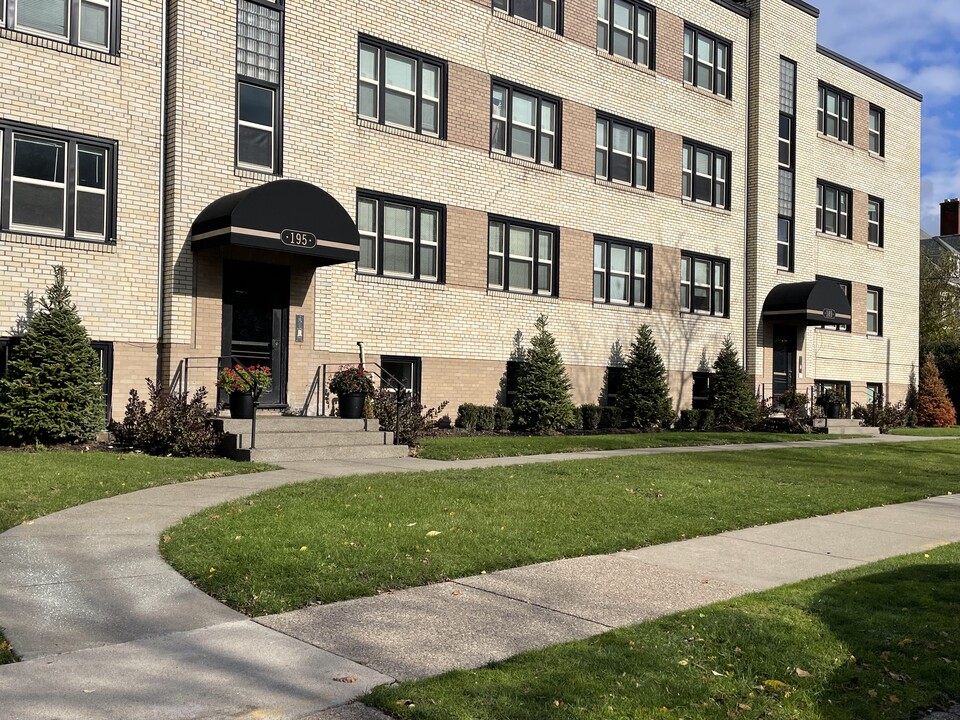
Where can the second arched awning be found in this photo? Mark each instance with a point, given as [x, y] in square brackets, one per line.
[817, 302]
[284, 215]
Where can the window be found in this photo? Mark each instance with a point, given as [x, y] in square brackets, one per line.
[545, 13]
[874, 311]
[621, 272]
[259, 78]
[876, 129]
[404, 371]
[784, 243]
[511, 381]
[400, 237]
[701, 390]
[85, 23]
[786, 141]
[524, 124]
[613, 384]
[706, 61]
[623, 153]
[874, 393]
[785, 158]
[57, 184]
[834, 112]
[521, 257]
[705, 172]
[845, 287]
[833, 210]
[625, 29]
[875, 222]
[825, 386]
[401, 88]
[703, 285]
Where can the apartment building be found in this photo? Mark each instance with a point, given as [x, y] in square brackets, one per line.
[253, 179]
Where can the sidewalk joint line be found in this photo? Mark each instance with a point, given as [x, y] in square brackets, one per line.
[532, 604]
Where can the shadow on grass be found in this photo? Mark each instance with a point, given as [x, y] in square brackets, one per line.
[903, 629]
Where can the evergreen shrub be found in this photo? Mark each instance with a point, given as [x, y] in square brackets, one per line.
[543, 388]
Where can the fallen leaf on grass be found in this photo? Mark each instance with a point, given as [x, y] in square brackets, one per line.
[433, 533]
[802, 673]
[744, 706]
[346, 679]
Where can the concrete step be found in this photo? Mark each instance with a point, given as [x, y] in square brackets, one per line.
[848, 430]
[271, 440]
[333, 452]
[283, 423]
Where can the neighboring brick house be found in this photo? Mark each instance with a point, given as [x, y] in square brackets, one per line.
[428, 178]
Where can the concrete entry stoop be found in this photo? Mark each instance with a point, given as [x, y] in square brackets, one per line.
[292, 439]
[844, 427]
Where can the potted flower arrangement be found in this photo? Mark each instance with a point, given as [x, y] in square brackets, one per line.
[244, 385]
[351, 384]
[832, 400]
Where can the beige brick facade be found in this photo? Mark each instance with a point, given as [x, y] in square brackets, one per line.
[462, 332]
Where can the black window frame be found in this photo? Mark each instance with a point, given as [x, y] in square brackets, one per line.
[822, 187]
[278, 97]
[383, 47]
[537, 228]
[881, 132]
[608, 151]
[714, 260]
[695, 60]
[879, 223]
[511, 381]
[786, 181]
[416, 373]
[72, 141]
[651, 39]
[822, 386]
[509, 7]
[847, 287]
[715, 152]
[879, 311]
[510, 90]
[878, 394]
[844, 127]
[700, 390]
[418, 206]
[8, 14]
[631, 246]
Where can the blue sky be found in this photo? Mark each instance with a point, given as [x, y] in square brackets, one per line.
[916, 43]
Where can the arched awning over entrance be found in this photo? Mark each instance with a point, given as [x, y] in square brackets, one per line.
[818, 302]
[285, 215]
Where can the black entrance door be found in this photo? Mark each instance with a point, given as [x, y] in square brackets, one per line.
[784, 359]
[256, 302]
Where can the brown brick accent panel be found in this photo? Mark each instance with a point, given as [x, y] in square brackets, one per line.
[669, 45]
[666, 279]
[588, 383]
[132, 363]
[580, 22]
[460, 381]
[668, 163]
[858, 308]
[579, 138]
[576, 266]
[861, 123]
[858, 216]
[466, 247]
[468, 103]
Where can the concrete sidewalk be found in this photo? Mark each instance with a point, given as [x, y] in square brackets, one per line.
[108, 630]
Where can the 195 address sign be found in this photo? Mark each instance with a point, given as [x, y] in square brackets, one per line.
[298, 238]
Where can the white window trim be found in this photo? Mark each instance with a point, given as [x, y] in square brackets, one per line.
[91, 191]
[874, 313]
[15, 179]
[102, 3]
[272, 167]
[387, 87]
[40, 33]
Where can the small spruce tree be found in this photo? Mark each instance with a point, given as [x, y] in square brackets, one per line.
[644, 396]
[543, 388]
[732, 400]
[53, 388]
[934, 408]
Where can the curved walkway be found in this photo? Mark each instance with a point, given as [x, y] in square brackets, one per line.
[108, 630]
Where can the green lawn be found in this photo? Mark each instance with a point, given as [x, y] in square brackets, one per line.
[39, 483]
[928, 432]
[349, 537]
[879, 642]
[484, 446]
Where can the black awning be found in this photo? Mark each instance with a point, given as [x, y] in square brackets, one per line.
[286, 215]
[819, 302]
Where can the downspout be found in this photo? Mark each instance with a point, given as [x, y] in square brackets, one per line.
[748, 362]
[162, 184]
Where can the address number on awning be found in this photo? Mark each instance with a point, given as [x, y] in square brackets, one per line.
[298, 238]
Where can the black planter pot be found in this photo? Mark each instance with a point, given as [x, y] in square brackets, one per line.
[351, 405]
[833, 411]
[241, 405]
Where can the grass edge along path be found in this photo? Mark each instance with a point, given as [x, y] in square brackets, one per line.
[33, 484]
[879, 641]
[341, 538]
[471, 447]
